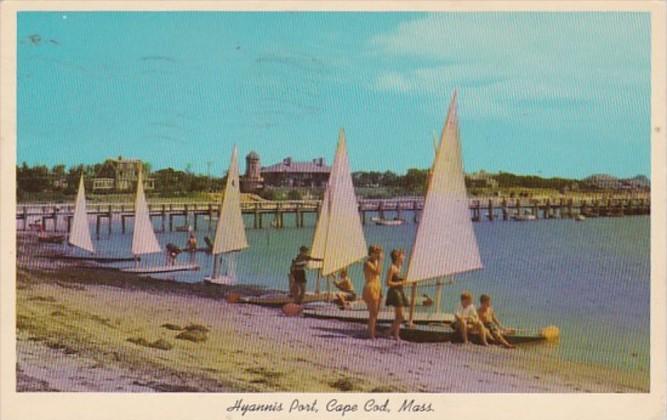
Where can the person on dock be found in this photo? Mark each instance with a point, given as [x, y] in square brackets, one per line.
[347, 293]
[466, 320]
[395, 295]
[488, 317]
[372, 294]
[298, 273]
[191, 246]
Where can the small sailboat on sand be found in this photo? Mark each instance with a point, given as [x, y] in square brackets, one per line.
[445, 244]
[230, 237]
[79, 235]
[144, 240]
[338, 239]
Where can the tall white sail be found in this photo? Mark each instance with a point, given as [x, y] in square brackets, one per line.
[344, 241]
[143, 237]
[230, 232]
[79, 235]
[445, 243]
[317, 249]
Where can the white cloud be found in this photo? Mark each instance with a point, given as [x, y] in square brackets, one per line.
[513, 63]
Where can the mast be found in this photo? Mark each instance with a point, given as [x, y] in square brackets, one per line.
[79, 235]
[143, 235]
[230, 232]
[445, 243]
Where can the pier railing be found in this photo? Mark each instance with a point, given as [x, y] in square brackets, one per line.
[494, 208]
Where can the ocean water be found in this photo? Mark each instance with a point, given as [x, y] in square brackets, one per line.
[591, 279]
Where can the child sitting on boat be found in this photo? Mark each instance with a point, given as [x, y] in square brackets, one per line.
[488, 317]
[467, 320]
[347, 293]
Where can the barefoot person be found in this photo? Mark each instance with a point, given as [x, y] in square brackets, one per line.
[488, 318]
[344, 284]
[467, 320]
[372, 293]
[191, 246]
[298, 273]
[395, 295]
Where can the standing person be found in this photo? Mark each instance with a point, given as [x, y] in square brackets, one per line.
[298, 273]
[395, 295]
[191, 246]
[372, 293]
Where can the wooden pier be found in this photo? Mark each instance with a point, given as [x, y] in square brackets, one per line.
[54, 216]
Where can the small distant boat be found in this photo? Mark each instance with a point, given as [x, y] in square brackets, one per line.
[389, 222]
[526, 217]
[230, 237]
[184, 228]
[144, 240]
[579, 218]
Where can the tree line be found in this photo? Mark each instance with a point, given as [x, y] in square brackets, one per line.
[59, 179]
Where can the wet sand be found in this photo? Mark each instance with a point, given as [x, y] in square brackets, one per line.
[74, 326]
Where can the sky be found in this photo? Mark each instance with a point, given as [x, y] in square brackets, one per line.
[551, 94]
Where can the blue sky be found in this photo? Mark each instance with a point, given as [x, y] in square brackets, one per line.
[554, 94]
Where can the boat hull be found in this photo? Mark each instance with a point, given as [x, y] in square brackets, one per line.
[280, 299]
[444, 333]
[223, 280]
[92, 258]
[161, 269]
[386, 315]
[54, 239]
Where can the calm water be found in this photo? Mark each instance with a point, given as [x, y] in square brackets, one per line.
[592, 279]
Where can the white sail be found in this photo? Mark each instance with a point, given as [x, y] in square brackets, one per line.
[344, 241]
[445, 243]
[230, 232]
[143, 237]
[317, 248]
[79, 235]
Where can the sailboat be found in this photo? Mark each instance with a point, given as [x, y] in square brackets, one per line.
[230, 237]
[445, 244]
[144, 240]
[79, 235]
[338, 239]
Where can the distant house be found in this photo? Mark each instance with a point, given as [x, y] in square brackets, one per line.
[482, 179]
[290, 173]
[60, 183]
[639, 182]
[120, 175]
[602, 182]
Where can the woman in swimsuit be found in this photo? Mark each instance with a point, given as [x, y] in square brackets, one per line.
[395, 295]
[372, 293]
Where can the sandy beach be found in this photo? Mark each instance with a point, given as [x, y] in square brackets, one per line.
[103, 330]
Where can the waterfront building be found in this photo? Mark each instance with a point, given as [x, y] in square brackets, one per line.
[252, 180]
[120, 175]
